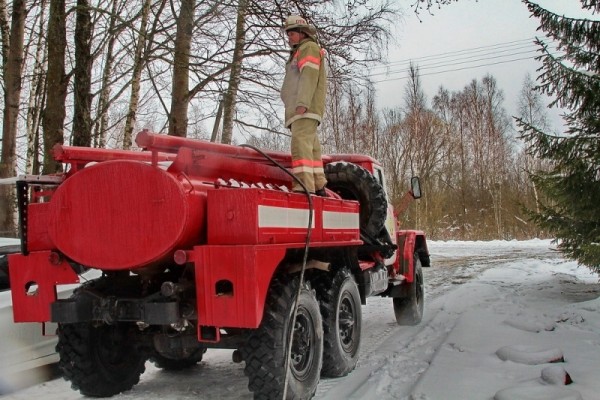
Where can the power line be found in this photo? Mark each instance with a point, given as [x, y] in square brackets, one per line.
[457, 69]
[481, 57]
[506, 46]
[467, 56]
[464, 57]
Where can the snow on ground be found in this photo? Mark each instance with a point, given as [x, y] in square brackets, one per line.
[503, 320]
[530, 308]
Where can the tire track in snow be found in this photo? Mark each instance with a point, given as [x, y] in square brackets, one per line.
[393, 345]
[412, 347]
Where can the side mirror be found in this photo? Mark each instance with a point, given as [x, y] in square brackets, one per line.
[415, 187]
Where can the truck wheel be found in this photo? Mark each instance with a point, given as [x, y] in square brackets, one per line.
[353, 182]
[341, 311]
[100, 361]
[171, 364]
[409, 310]
[265, 349]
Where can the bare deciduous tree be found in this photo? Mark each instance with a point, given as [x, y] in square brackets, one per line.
[56, 88]
[82, 124]
[37, 93]
[12, 68]
[138, 66]
[229, 98]
[180, 90]
[99, 135]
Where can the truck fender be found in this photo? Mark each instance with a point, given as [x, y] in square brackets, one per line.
[410, 243]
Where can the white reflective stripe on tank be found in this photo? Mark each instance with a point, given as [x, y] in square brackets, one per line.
[282, 217]
[340, 220]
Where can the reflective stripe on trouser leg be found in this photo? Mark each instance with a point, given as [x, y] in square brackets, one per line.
[306, 155]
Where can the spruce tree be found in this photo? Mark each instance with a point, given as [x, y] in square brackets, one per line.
[570, 56]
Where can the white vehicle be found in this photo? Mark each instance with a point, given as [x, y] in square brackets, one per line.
[27, 351]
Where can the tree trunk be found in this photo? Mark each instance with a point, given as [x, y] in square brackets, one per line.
[463, 178]
[138, 65]
[54, 113]
[5, 34]
[82, 120]
[36, 100]
[215, 131]
[180, 91]
[102, 121]
[12, 96]
[229, 99]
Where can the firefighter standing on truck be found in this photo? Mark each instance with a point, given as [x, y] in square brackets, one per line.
[303, 94]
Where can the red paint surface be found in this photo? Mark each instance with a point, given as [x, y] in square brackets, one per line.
[123, 215]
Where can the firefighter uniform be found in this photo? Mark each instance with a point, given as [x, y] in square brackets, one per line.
[305, 85]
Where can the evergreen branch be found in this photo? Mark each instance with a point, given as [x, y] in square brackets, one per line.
[580, 31]
[593, 5]
[571, 88]
[568, 154]
[580, 57]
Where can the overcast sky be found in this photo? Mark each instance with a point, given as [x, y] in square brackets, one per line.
[464, 41]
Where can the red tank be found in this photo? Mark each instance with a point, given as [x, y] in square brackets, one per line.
[150, 203]
[146, 211]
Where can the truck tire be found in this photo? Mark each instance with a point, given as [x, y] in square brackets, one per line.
[353, 182]
[409, 309]
[100, 361]
[264, 352]
[171, 364]
[339, 300]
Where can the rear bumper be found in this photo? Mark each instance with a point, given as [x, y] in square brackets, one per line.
[91, 307]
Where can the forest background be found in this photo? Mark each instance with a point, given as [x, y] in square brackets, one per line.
[94, 72]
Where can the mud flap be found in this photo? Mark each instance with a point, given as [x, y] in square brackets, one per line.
[33, 281]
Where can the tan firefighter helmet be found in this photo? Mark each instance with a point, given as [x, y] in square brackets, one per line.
[296, 22]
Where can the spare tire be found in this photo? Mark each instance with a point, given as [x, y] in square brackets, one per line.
[353, 182]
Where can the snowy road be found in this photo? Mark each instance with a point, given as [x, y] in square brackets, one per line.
[480, 296]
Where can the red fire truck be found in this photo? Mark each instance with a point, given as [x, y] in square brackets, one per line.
[202, 245]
